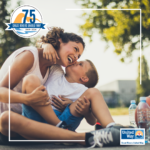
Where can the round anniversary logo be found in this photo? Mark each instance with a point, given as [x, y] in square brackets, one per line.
[26, 21]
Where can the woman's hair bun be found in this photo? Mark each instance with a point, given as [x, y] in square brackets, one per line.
[53, 36]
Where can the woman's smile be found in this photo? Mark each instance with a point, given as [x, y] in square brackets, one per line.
[72, 59]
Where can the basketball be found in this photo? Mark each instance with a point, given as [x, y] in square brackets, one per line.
[148, 102]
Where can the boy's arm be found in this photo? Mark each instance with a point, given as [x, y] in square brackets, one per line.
[50, 53]
[60, 103]
[83, 108]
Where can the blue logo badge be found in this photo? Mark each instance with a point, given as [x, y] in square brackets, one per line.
[26, 21]
[132, 136]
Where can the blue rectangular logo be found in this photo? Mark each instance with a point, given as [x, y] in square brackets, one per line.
[130, 136]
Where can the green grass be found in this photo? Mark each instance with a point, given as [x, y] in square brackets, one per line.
[119, 111]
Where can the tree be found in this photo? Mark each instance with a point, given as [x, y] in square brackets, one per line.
[121, 27]
[144, 88]
[9, 41]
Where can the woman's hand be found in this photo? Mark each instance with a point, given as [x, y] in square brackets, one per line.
[49, 53]
[61, 103]
[38, 97]
[83, 106]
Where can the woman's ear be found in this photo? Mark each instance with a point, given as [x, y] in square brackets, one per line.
[84, 79]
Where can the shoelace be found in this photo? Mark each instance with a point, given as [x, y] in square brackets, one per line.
[105, 136]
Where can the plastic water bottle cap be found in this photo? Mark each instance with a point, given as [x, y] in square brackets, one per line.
[132, 101]
[143, 99]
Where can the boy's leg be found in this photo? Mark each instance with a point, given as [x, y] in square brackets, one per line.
[71, 120]
[30, 83]
[98, 106]
[34, 130]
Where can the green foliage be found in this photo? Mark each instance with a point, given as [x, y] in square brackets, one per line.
[121, 27]
[9, 41]
[144, 88]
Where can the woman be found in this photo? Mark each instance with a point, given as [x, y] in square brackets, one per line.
[29, 60]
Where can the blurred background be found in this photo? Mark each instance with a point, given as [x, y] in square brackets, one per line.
[112, 40]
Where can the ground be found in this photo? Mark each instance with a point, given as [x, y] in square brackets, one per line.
[50, 146]
[84, 127]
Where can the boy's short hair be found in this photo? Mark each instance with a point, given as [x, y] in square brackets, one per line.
[92, 75]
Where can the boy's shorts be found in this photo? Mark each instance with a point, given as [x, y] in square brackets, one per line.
[72, 121]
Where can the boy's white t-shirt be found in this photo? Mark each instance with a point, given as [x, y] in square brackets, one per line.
[17, 107]
[57, 84]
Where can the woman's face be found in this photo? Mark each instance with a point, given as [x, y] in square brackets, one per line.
[69, 53]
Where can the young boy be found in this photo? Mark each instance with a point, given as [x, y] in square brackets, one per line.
[73, 85]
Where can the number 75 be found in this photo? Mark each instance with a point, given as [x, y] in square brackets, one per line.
[31, 14]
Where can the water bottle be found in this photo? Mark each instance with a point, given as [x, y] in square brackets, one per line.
[132, 109]
[143, 115]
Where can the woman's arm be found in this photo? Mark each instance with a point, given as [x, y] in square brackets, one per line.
[37, 97]
[21, 65]
[15, 97]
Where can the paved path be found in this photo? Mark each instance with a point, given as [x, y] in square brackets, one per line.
[50, 146]
[85, 127]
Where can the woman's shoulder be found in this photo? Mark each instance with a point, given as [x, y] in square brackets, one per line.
[28, 52]
[28, 48]
[25, 58]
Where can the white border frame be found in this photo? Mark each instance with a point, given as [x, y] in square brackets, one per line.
[73, 140]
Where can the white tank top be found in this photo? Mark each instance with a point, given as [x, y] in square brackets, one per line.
[16, 107]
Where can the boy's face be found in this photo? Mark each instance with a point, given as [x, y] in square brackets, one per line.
[78, 71]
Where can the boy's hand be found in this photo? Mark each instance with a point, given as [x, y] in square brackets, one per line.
[60, 103]
[83, 106]
[49, 53]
